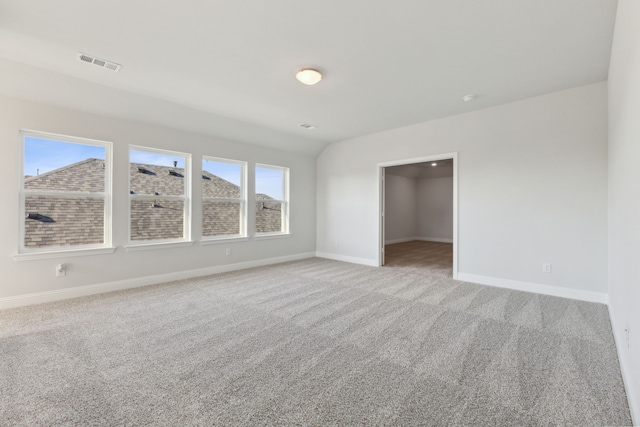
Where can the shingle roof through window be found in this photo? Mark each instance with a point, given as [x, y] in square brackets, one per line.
[63, 221]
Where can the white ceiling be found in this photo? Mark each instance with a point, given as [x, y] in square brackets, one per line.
[226, 68]
[442, 169]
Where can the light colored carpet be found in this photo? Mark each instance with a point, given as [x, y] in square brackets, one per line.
[313, 342]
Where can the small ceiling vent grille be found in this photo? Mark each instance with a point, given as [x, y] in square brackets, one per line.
[99, 62]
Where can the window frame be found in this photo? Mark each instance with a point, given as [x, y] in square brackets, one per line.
[53, 251]
[285, 202]
[186, 197]
[242, 199]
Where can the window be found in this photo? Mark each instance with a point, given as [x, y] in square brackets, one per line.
[223, 198]
[65, 197]
[159, 196]
[272, 200]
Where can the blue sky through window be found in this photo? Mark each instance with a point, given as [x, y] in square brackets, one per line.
[231, 172]
[156, 159]
[44, 155]
[270, 182]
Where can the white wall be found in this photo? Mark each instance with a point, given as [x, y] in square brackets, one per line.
[400, 208]
[624, 194]
[418, 208]
[532, 188]
[435, 208]
[26, 277]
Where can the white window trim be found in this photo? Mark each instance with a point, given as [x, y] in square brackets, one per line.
[63, 253]
[221, 240]
[267, 236]
[158, 244]
[186, 240]
[285, 203]
[242, 199]
[55, 251]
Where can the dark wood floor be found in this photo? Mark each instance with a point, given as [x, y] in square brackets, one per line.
[435, 257]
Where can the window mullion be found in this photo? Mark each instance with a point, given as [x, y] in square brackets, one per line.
[64, 194]
[222, 199]
[154, 197]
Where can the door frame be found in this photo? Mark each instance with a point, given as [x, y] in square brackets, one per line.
[381, 197]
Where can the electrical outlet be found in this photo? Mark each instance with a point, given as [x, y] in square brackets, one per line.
[61, 270]
[546, 267]
[228, 251]
[627, 330]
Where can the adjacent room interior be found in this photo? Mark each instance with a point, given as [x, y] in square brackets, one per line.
[194, 215]
[419, 215]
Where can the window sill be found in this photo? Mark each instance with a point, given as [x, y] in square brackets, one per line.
[156, 245]
[267, 236]
[64, 253]
[223, 240]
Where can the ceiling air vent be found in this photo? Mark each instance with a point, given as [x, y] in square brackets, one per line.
[102, 63]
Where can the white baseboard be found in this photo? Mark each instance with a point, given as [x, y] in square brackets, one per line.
[79, 291]
[353, 260]
[411, 239]
[537, 288]
[623, 358]
[394, 241]
[433, 239]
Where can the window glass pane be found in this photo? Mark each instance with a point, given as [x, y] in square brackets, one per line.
[269, 183]
[51, 165]
[52, 221]
[220, 218]
[269, 217]
[156, 174]
[157, 219]
[221, 179]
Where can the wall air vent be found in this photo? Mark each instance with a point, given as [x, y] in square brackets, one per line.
[102, 63]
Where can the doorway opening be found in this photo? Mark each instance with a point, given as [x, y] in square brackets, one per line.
[418, 213]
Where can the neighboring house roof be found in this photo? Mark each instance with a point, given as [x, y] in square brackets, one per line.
[86, 175]
[67, 221]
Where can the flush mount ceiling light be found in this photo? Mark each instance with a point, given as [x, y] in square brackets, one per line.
[468, 98]
[309, 76]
